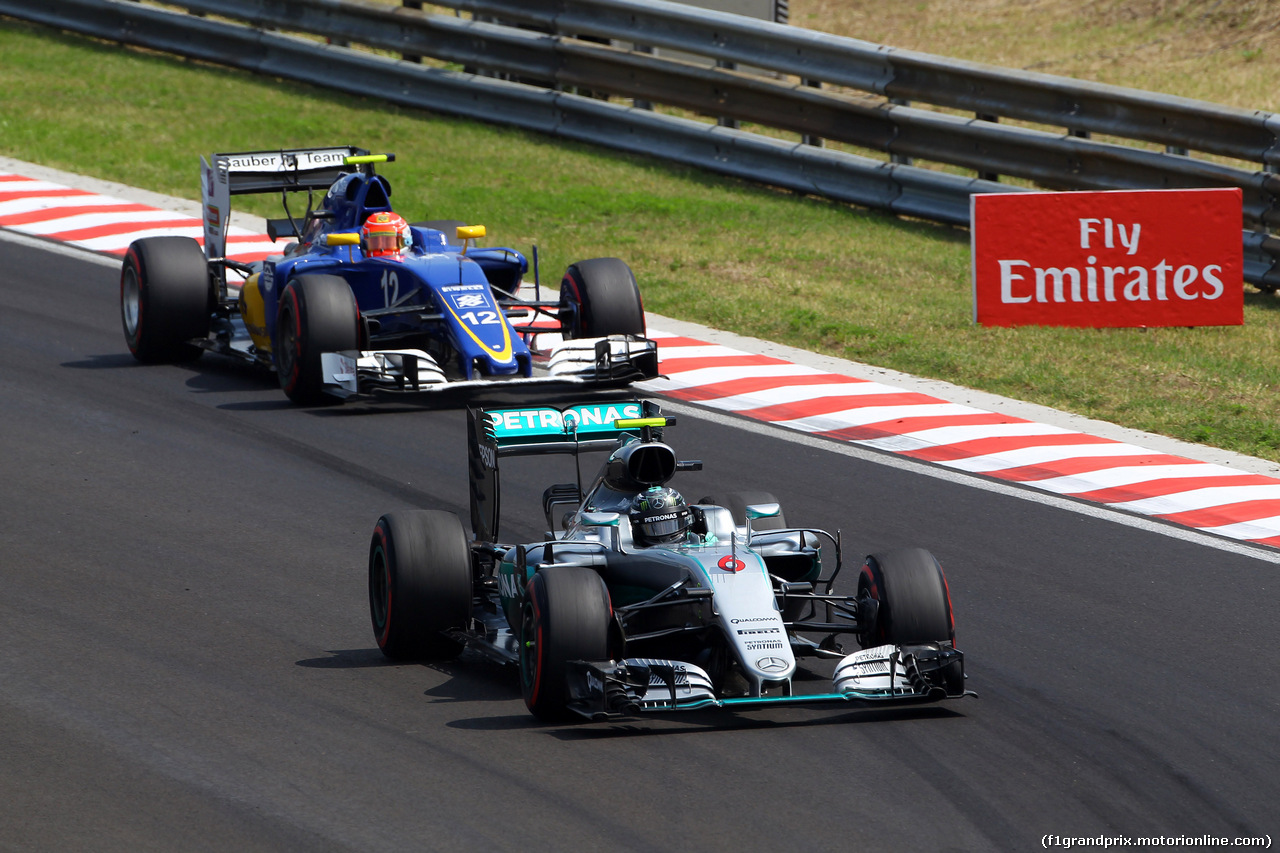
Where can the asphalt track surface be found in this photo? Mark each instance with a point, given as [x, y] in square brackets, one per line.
[187, 662]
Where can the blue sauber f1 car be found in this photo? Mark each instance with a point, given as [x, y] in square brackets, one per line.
[637, 602]
[360, 301]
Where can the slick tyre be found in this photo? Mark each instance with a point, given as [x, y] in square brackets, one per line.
[599, 297]
[317, 314]
[565, 617]
[419, 584]
[914, 605]
[165, 299]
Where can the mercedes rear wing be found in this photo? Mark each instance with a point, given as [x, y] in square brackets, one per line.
[529, 430]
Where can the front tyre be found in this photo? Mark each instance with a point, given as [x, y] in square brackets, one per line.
[419, 584]
[598, 298]
[317, 314]
[164, 299]
[913, 604]
[565, 617]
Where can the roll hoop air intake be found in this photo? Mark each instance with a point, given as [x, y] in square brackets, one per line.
[639, 465]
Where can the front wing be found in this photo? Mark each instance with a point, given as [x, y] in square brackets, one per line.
[611, 362]
[885, 675]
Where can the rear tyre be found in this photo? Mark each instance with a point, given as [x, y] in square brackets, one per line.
[914, 605]
[419, 584]
[317, 314]
[165, 299]
[565, 618]
[599, 297]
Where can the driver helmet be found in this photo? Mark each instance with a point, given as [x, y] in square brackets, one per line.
[659, 515]
[384, 235]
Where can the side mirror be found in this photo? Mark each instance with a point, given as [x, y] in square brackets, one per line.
[760, 511]
[467, 233]
[606, 522]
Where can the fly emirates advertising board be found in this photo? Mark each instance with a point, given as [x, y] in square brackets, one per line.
[1115, 258]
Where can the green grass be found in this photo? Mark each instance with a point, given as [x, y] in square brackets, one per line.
[830, 278]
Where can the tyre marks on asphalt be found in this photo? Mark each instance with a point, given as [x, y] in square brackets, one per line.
[1201, 495]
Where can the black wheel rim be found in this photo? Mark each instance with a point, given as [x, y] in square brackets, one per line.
[288, 342]
[528, 647]
[379, 590]
[870, 635]
[570, 317]
[130, 301]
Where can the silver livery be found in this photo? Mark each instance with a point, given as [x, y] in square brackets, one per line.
[638, 601]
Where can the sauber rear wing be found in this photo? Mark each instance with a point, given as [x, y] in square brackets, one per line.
[285, 170]
[528, 430]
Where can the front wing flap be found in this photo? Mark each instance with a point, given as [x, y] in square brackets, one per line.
[621, 358]
[407, 370]
[932, 671]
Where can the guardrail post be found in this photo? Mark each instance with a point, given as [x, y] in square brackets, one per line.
[808, 139]
[641, 103]
[728, 122]
[994, 119]
[412, 4]
[900, 159]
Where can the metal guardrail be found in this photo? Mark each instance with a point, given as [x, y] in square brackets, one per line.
[906, 75]
[558, 61]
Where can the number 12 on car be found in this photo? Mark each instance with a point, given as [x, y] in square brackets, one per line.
[390, 288]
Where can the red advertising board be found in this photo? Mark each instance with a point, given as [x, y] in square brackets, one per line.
[1115, 258]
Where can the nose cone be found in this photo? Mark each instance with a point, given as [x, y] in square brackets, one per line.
[749, 615]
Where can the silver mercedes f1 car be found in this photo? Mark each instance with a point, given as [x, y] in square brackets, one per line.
[638, 601]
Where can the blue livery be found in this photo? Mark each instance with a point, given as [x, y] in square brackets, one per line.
[340, 312]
